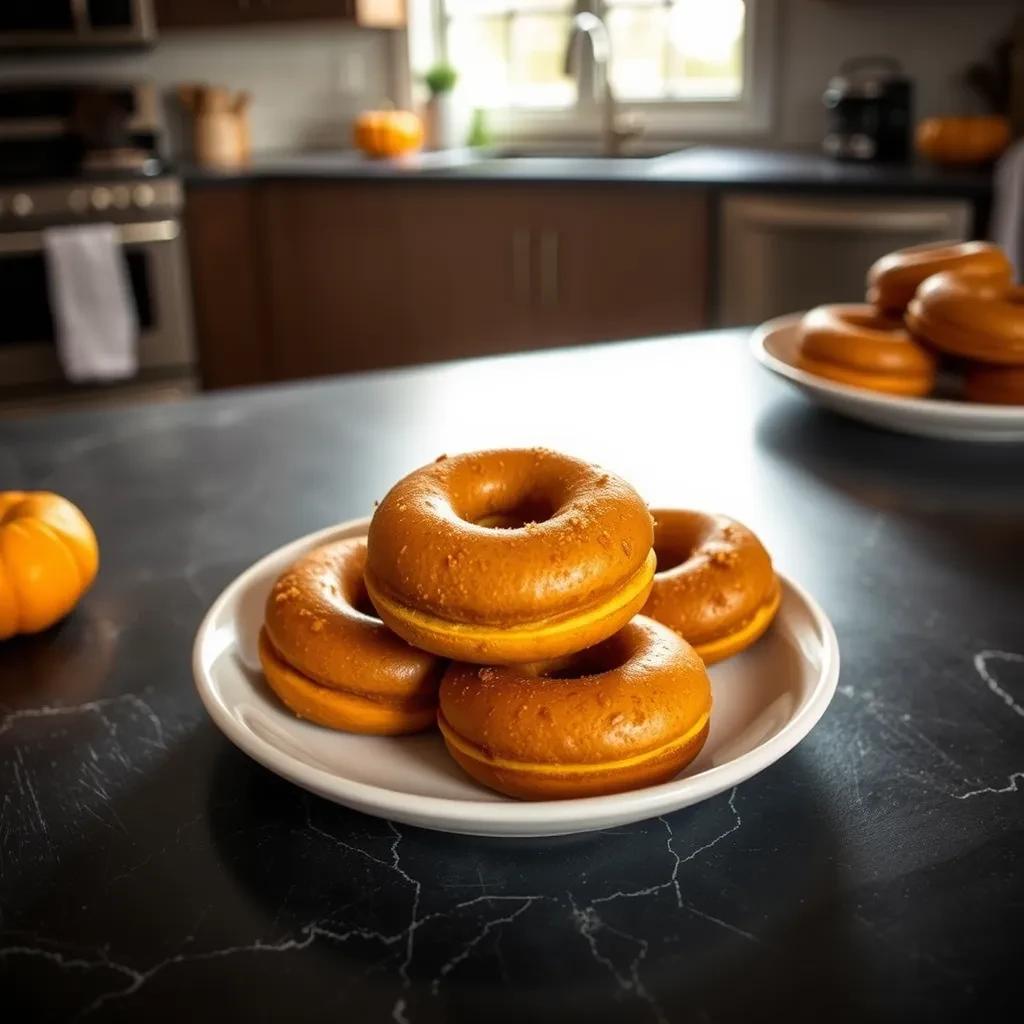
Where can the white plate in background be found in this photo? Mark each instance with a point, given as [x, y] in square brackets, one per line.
[765, 701]
[775, 344]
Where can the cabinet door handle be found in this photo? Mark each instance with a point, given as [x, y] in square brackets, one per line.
[549, 267]
[521, 265]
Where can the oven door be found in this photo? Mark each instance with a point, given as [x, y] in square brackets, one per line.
[156, 265]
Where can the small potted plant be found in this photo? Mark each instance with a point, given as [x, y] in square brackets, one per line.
[440, 116]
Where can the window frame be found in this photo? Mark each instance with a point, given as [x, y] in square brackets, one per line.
[747, 114]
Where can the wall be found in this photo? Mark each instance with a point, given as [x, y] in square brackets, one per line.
[934, 41]
[308, 81]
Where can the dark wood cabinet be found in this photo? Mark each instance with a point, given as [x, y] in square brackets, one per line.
[462, 270]
[364, 276]
[211, 13]
[223, 230]
[341, 276]
[332, 273]
[620, 263]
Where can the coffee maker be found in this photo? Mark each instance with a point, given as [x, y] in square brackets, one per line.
[869, 109]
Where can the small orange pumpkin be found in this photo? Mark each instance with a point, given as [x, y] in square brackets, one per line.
[48, 559]
[963, 140]
[381, 133]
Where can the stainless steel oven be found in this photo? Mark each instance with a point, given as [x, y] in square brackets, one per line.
[75, 24]
[146, 214]
[77, 153]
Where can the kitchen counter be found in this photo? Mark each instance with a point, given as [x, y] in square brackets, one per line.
[701, 166]
[872, 874]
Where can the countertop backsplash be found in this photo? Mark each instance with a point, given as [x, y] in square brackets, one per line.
[308, 81]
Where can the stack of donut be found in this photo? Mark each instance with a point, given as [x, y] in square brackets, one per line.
[497, 594]
[953, 302]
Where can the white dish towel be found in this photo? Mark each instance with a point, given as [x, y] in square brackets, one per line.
[1008, 210]
[93, 306]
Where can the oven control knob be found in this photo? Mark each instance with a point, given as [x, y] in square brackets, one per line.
[122, 196]
[144, 195]
[78, 200]
[101, 198]
[21, 204]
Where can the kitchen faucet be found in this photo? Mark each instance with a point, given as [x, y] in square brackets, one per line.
[593, 80]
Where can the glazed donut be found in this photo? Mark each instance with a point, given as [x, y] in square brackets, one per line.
[893, 280]
[631, 711]
[981, 321]
[856, 345]
[505, 557]
[333, 662]
[996, 385]
[715, 585]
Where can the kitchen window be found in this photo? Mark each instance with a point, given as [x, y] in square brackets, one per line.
[684, 65]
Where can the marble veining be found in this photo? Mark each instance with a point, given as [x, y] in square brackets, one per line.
[97, 707]
[502, 909]
[990, 677]
[142, 857]
[981, 663]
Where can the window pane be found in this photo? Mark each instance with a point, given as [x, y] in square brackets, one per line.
[538, 44]
[706, 49]
[484, 7]
[638, 37]
[477, 49]
[512, 52]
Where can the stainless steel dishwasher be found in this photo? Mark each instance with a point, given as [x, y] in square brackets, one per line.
[783, 254]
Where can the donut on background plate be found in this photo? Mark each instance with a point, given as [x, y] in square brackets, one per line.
[629, 712]
[332, 661]
[995, 385]
[981, 321]
[509, 556]
[893, 280]
[856, 345]
[715, 585]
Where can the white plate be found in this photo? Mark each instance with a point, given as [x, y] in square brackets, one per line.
[765, 701]
[774, 345]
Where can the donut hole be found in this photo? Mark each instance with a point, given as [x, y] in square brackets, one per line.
[514, 517]
[607, 656]
[360, 600]
[678, 536]
[669, 556]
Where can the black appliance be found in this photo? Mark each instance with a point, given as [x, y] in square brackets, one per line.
[869, 109]
[75, 24]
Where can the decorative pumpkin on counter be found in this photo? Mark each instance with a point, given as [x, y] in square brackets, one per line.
[382, 133]
[48, 559]
[963, 140]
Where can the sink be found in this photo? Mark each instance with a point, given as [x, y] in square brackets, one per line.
[581, 151]
[560, 161]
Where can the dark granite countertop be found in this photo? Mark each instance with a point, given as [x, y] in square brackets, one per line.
[151, 872]
[718, 167]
